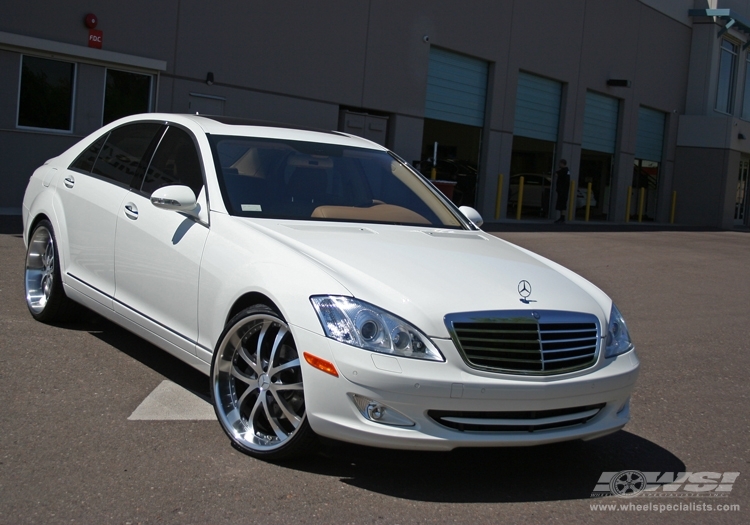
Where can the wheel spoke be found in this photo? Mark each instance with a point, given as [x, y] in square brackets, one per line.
[237, 374]
[249, 360]
[293, 418]
[280, 387]
[243, 397]
[254, 411]
[276, 344]
[276, 428]
[259, 345]
[273, 370]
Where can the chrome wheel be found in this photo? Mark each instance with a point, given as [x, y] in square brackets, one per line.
[257, 385]
[40, 269]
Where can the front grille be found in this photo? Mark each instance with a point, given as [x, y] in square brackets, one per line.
[528, 421]
[525, 342]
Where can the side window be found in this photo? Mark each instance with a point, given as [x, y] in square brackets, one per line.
[86, 160]
[122, 152]
[176, 161]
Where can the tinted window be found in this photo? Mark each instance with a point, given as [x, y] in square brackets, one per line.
[46, 98]
[126, 94]
[122, 152]
[176, 161]
[86, 160]
[305, 180]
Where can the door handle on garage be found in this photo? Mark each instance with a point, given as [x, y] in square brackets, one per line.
[69, 181]
[131, 210]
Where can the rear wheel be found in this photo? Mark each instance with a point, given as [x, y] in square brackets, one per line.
[45, 296]
[257, 388]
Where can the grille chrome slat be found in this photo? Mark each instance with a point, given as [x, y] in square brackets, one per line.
[524, 342]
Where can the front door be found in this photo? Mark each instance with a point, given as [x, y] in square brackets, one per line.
[158, 252]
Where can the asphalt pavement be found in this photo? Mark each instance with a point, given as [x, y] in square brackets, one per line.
[84, 437]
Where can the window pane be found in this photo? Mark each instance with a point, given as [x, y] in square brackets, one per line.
[46, 99]
[86, 160]
[725, 88]
[175, 162]
[122, 153]
[126, 94]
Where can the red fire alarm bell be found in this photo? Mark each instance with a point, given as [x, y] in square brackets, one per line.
[91, 20]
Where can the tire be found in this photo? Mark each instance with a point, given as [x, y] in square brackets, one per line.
[257, 389]
[45, 296]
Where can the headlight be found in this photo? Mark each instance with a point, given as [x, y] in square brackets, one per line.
[363, 325]
[618, 337]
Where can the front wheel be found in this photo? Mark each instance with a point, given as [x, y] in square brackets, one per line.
[257, 388]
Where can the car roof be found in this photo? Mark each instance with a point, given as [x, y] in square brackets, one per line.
[223, 125]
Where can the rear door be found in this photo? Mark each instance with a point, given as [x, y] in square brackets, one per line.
[158, 252]
[91, 191]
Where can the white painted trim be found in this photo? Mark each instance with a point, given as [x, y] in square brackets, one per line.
[60, 50]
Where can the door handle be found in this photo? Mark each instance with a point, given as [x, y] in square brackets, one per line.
[69, 181]
[131, 211]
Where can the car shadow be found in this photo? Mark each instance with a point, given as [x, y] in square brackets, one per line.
[141, 350]
[560, 471]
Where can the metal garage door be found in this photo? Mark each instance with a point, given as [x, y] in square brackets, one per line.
[456, 88]
[537, 107]
[600, 123]
[650, 141]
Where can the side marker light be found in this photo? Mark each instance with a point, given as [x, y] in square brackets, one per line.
[320, 364]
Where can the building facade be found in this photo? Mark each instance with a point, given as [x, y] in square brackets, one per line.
[645, 99]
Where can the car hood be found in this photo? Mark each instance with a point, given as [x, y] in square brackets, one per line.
[422, 274]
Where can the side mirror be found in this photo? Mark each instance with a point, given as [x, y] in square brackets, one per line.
[178, 198]
[473, 215]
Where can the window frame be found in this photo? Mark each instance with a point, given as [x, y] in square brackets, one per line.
[732, 83]
[73, 92]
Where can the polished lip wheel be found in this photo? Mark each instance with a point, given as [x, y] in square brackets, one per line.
[258, 388]
[40, 269]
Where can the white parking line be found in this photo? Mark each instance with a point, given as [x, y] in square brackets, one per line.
[170, 401]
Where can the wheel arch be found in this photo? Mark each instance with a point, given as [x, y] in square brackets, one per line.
[251, 299]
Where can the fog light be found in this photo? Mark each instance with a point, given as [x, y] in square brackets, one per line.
[375, 411]
[380, 413]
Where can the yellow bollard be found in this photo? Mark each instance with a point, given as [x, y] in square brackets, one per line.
[520, 198]
[499, 195]
[572, 201]
[627, 206]
[641, 200]
[588, 201]
[674, 205]
[433, 173]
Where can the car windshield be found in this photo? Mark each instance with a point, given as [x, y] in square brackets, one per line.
[284, 179]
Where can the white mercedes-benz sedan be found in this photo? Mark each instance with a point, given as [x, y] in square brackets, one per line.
[325, 287]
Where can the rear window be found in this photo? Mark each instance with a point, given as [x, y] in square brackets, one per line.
[303, 180]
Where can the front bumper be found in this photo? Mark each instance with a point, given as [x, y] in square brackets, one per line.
[415, 387]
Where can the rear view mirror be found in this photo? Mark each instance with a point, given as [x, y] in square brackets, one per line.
[178, 198]
[472, 214]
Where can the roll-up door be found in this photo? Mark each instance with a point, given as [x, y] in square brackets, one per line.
[456, 88]
[650, 141]
[600, 123]
[537, 107]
